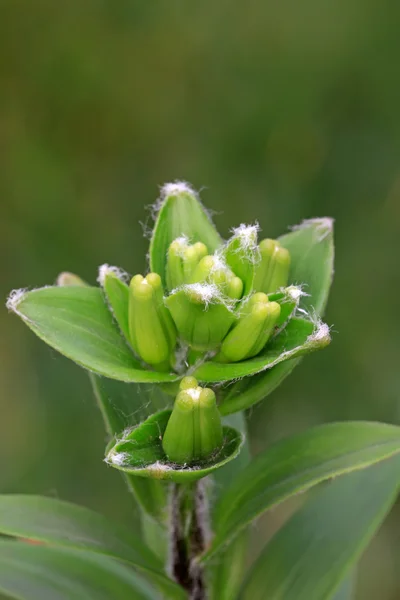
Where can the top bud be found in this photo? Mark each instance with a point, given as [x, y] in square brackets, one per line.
[272, 270]
[152, 331]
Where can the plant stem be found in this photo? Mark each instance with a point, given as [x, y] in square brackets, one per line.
[188, 537]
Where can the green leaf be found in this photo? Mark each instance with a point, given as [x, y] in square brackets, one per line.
[139, 452]
[298, 338]
[29, 572]
[181, 214]
[76, 322]
[117, 295]
[250, 390]
[312, 254]
[63, 524]
[313, 552]
[295, 464]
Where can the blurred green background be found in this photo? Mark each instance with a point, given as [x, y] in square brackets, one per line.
[280, 111]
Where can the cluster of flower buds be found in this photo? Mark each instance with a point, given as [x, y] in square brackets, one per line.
[228, 303]
[194, 430]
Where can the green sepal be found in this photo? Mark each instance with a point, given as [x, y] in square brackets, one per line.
[312, 253]
[241, 254]
[139, 452]
[180, 214]
[116, 291]
[298, 338]
[201, 315]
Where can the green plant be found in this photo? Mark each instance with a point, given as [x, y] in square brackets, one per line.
[213, 329]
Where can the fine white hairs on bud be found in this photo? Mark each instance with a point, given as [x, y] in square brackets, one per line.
[105, 270]
[176, 187]
[247, 237]
[14, 299]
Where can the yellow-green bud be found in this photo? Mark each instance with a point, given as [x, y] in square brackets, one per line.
[182, 259]
[194, 429]
[151, 328]
[253, 330]
[200, 315]
[272, 270]
[213, 270]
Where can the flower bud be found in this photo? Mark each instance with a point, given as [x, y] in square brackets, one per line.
[213, 270]
[201, 315]
[182, 259]
[272, 270]
[194, 429]
[253, 330]
[151, 328]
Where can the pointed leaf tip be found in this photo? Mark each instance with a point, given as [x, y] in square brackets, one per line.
[180, 213]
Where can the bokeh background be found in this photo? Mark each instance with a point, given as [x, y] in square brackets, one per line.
[279, 111]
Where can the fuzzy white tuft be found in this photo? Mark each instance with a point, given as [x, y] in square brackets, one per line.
[177, 187]
[321, 333]
[323, 225]
[15, 298]
[118, 459]
[105, 270]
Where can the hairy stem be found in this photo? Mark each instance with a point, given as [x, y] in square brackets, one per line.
[189, 534]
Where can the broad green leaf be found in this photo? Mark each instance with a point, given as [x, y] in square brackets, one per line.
[312, 254]
[181, 214]
[298, 338]
[76, 322]
[139, 452]
[31, 572]
[295, 464]
[314, 551]
[61, 523]
[117, 295]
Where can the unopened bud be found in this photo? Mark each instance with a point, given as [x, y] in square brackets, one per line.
[213, 270]
[151, 328]
[253, 330]
[194, 429]
[182, 259]
[272, 270]
[200, 315]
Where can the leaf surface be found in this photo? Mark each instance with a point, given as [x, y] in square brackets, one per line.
[31, 572]
[298, 338]
[181, 214]
[295, 464]
[313, 552]
[76, 322]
